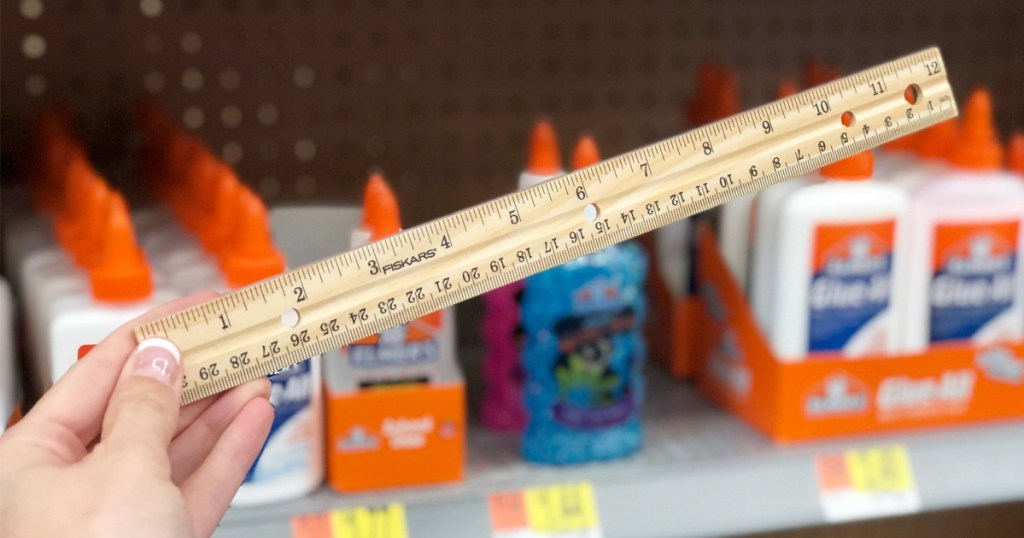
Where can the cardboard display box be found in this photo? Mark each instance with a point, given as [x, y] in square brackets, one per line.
[828, 395]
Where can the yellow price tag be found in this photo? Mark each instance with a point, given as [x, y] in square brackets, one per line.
[383, 522]
[881, 469]
[561, 508]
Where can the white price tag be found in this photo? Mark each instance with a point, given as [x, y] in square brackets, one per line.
[868, 483]
[562, 511]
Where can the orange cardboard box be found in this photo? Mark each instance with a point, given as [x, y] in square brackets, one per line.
[828, 395]
[671, 330]
[376, 440]
[382, 435]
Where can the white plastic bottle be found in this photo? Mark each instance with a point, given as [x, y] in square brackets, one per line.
[57, 270]
[291, 464]
[121, 287]
[931, 148]
[837, 263]
[765, 214]
[735, 235]
[966, 281]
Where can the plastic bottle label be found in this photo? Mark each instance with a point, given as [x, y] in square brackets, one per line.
[288, 449]
[974, 270]
[851, 283]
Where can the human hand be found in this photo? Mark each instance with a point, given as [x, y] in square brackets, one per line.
[108, 452]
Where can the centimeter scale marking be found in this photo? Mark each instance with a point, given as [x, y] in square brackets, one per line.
[285, 319]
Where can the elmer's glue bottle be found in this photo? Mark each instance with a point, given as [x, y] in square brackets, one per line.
[765, 214]
[966, 281]
[409, 353]
[405, 360]
[502, 405]
[734, 228]
[584, 353]
[838, 256]
[291, 462]
[121, 287]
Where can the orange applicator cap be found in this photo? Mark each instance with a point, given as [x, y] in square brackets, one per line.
[936, 141]
[853, 168]
[977, 146]
[585, 153]
[787, 87]
[251, 256]
[817, 72]
[725, 101]
[84, 197]
[216, 234]
[91, 223]
[121, 273]
[380, 209]
[707, 86]
[544, 158]
[1015, 153]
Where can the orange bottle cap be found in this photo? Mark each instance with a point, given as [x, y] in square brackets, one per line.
[1015, 154]
[936, 141]
[194, 189]
[51, 182]
[91, 224]
[544, 158]
[83, 190]
[698, 110]
[381, 217]
[121, 274]
[817, 72]
[725, 101]
[217, 233]
[585, 153]
[787, 87]
[252, 255]
[977, 147]
[853, 168]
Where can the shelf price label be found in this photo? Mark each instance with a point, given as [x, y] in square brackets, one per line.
[378, 522]
[559, 511]
[866, 483]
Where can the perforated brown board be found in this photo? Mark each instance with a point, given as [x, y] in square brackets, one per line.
[303, 97]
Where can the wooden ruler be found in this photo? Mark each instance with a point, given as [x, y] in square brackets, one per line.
[302, 313]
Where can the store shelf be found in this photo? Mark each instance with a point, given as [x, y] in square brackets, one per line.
[701, 473]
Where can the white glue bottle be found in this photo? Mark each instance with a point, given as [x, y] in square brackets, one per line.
[764, 214]
[931, 147]
[837, 260]
[291, 463]
[966, 279]
[121, 287]
[734, 225]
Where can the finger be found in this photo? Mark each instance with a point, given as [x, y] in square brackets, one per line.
[191, 447]
[193, 411]
[143, 410]
[209, 490]
[78, 400]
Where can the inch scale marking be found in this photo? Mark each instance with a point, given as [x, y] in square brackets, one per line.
[302, 313]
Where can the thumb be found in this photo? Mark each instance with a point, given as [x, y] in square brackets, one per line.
[143, 411]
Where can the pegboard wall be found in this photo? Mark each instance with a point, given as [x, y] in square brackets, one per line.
[304, 96]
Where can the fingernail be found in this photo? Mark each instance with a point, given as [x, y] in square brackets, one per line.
[157, 358]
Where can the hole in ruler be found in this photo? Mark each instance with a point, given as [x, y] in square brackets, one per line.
[290, 318]
[847, 118]
[912, 94]
[591, 212]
